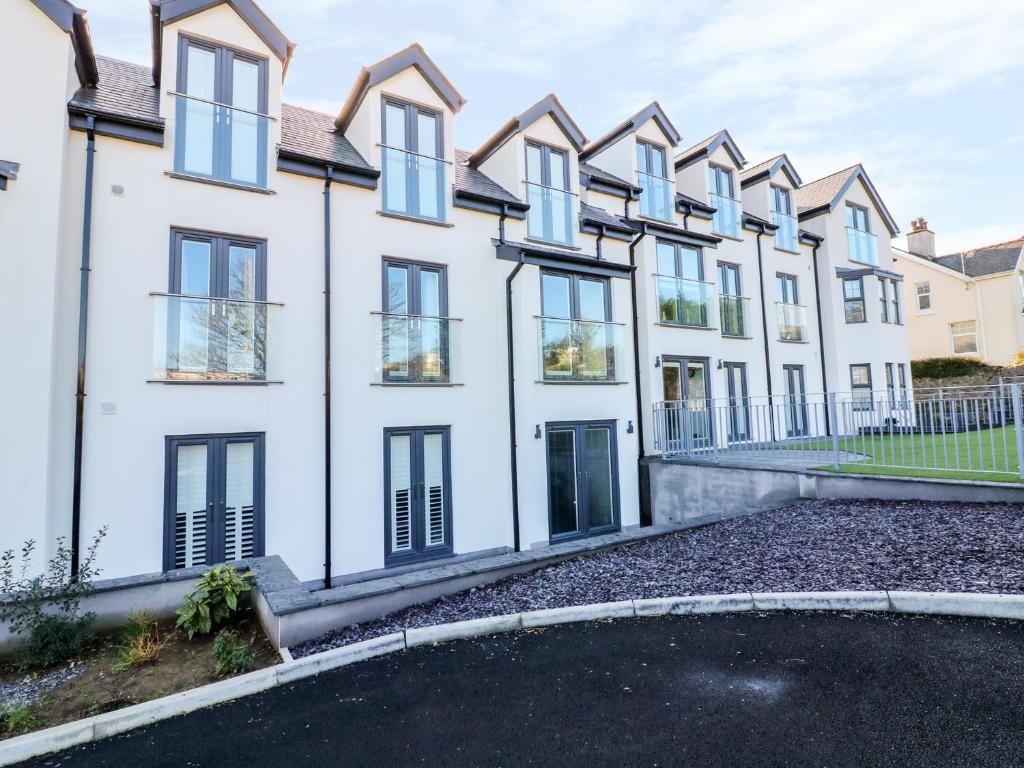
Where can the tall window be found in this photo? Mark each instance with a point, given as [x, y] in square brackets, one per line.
[860, 387]
[964, 336]
[683, 297]
[796, 400]
[414, 171]
[739, 405]
[730, 300]
[221, 122]
[577, 337]
[726, 220]
[547, 191]
[883, 297]
[786, 287]
[863, 246]
[902, 370]
[890, 383]
[651, 166]
[853, 300]
[897, 309]
[417, 486]
[791, 317]
[216, 311]
[782, 216]
[415, 328]
[924, 297]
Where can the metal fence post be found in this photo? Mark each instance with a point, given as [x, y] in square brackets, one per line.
[1018, 428]
[833, 417]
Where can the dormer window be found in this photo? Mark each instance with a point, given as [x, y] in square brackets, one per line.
[656, 197]
[863, 245]
[412, 152]
[221, 120]
[783, 218]
[722, 197]
[551, 215]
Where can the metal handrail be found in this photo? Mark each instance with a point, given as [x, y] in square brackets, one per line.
[415, 154]
[215, 298]
[222, 104]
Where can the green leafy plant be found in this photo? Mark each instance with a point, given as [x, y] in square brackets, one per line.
[16, 718]
[948, 367]
[232, 652]
[214, 600]
[142, 640]
[45, 607]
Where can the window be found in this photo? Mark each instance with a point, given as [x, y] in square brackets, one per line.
[578, 340]
[547, 191]
[786, 286]
[415, 340]
[890, 383]
[413, 169]
[739, 410]
[782, 216]
[726, 220]
[791, 316]
[213, 499]
[796, 401]
[853, 300]
[902, 370]
[924, 297]
[732, 306]
[215, 312]
[417, 489]
[964, 336]
[897, 309]
[863, 245]
[860, 387]
[656, 198]
[221, 122]
[683, 296]
[883, 297]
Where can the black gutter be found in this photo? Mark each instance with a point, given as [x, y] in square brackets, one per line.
[83, 322]
[328, 180]
[764, 324]
[821, 332]
[513, 448]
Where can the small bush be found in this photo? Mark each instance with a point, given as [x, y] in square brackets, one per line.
[46, 607]
[232, 652]
[142, 642]
[948, 367]
[16, 718]
[214, 600]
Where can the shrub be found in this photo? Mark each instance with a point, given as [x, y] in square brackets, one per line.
[948, 367]
[142, 642]
[214, 600]
[233, 654]
[45, 608]
[16, 717]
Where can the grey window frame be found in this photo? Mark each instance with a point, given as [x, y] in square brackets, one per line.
[897, 306]
[790, 372]
[890, 383]
[574, 294]
[847, 301]
[677, 261]
[737, 270]
[547, 211]
[869, 404]
[421, 552]
[719, 172]
[781, 193]
[883, 296]
[415, 299]
[737, 401]
[901, 369]
[215, 458]
[582, 506]
[867, 217]
[224, 56]
[648, 148]
[411, 111]
[788, 280]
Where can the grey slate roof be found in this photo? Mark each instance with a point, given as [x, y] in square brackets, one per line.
[601, 175]
[694, 201]
[599, 216]
[753, 170]
[312, 134]
[124, 89]
[473, 181]
[815, 194]
[989, 260]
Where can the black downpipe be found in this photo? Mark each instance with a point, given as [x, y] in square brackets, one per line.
[821, 339]
[600, 237]
[328, 179]
[636, 338]
[83, 323]
[764, 327]
[513, 448]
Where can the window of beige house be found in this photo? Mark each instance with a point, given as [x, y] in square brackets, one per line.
[924, 297]
[964, 336]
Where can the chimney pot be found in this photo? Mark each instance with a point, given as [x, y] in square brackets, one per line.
[921, 241]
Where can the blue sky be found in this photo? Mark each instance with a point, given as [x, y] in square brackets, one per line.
[928, 95]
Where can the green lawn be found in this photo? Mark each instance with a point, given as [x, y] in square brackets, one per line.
[921, 455]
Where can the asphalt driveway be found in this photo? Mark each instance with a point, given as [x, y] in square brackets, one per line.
[790, 689]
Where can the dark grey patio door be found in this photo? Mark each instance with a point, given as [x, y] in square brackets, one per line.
[687, 379]
[796, 401]
[583, 486]
[739, 405]
[213, 499]
[418, 516]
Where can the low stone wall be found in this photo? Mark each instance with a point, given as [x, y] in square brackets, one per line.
[682, 490]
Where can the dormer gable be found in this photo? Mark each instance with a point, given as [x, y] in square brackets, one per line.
[705, 149]
[549, 107]
[631, 125]
[768, 170]
[825, 194]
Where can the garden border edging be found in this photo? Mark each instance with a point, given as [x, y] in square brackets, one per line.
[970, 604]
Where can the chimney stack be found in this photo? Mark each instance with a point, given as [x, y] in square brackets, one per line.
[920, 239]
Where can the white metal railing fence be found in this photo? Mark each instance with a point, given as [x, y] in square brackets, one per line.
[977, 430]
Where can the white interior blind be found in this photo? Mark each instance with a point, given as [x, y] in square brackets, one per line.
[190, 509]
[401, 494]
[433, 482]
[239, 515]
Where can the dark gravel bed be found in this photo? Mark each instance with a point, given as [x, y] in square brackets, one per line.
[818, 545]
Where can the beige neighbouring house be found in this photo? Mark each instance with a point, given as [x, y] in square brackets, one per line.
[969, 303]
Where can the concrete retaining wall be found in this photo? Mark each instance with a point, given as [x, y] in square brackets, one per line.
[681, 490]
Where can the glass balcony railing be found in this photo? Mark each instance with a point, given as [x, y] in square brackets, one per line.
[218, 141]
[656, 197]
[733, 312]
[413, 184]
[786, 234]
[413, 349]
[580, 350]
[552, 214]
[863, 246]
[685, 302]
[726, 220]
[200, 338]
[792, 321]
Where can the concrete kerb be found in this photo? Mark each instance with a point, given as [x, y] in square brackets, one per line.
[101, 726]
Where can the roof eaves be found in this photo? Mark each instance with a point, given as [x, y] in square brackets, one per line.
[174, 10]
[549, 105]
[631, 124]
[706, 147]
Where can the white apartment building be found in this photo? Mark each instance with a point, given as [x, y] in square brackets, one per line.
[248, 328]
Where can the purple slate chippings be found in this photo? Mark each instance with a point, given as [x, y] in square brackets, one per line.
[820, 545]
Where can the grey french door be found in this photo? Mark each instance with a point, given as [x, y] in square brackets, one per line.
[213, 499]
[583, 486]
[688, 379]
[416, 329]
[739, 404]
[417, 471]
[796, 401]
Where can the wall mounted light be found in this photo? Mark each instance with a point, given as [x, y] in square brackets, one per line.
[657, 362]
[537, 434]
[629, 428]
[719, 366]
